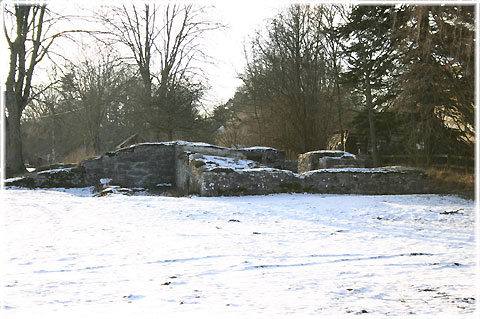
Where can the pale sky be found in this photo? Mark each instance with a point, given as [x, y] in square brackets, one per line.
[243, 18]
[226, 47]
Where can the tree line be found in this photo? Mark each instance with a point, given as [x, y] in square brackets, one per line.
[400, 78]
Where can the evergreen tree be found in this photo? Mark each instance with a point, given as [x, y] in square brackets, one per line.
[437, 80]
[370, 54]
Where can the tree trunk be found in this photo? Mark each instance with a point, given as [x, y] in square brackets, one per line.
[29, 20]
[96, 144]
[14, 155]
[371, 120]
[373, 136]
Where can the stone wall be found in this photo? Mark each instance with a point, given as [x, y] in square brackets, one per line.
[330, 181]
[207, 149]
[267, 156]
[247, 182]
[190, 160]
[208, 170]
[148, 165]
[327, 159]
[375, 181]
[218, 176]
[62, 177]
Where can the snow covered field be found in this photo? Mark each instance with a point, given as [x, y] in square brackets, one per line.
[71, 255]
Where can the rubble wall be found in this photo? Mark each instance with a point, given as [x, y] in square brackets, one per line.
[145, 165]
[248, 182]
[375, 181]
[62, 177]
[207, 170]
[327, 159]
[231, 182]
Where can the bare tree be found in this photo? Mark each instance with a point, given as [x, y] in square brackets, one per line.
[30, 31]
[287, 75]
[329, 18]
[92, 89]
[164, 44]
[28, 45]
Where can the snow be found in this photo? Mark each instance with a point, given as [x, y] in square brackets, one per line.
[152, 143]
[387, 169]
[14, 179]
[54, 171]
[260, 148]
[212, 162]
[182, 143]
[196, 144]
[105, 181]
[72, 255]
[332, 153]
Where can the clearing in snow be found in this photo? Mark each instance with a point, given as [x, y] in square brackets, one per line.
[71, 254]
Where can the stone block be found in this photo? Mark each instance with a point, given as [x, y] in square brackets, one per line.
[142, 165]
[339, 162]
[374, 181]
[63, 177]
[248, 182]
[208, 170]
[267, 156]
[327, 159]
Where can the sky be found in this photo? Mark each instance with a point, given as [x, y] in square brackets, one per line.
[242, 19]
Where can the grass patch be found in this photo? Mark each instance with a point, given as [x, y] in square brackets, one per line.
[448, 181]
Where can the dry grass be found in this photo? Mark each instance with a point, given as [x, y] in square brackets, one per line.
[448, 181]
[77, 156]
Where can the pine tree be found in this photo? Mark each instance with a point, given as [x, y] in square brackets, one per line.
[370, 54]
[437, 80]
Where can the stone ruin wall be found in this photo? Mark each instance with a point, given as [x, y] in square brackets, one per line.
[177, 167]
[145, 165]
[165, 166]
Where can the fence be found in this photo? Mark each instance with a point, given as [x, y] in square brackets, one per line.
[445, 161]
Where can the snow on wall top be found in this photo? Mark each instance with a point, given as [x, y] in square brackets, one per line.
[14, 179]
[384, 170]
[253, 148]
[212, 162]
[152, 143]
[202, 144]
[195, 144]
[324, 153]
[54, 171]
[240, 166]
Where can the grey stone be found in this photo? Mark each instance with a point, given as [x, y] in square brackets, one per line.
[208, 170]
[327, 159]
[63, 177]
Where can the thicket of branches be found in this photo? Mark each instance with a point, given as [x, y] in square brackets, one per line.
[142, 77]
[401, 78]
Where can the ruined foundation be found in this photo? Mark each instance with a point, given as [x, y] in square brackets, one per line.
[184, 168]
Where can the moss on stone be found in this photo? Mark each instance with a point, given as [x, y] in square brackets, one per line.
[237, 191]
[291, 187]
[198, 164]
[222, 170]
